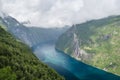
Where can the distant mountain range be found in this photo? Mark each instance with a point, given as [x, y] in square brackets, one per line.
[95, 42]
[32, 36]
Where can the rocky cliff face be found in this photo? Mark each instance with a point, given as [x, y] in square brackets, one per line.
[76, 48]
[95, 42]
[78, 53]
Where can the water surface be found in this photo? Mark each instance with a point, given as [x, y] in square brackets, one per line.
[70, 68]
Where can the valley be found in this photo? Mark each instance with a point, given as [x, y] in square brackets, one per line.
[62, 63]
[43, 44]
[59, 39]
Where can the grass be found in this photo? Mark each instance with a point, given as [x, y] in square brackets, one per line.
[100, 39]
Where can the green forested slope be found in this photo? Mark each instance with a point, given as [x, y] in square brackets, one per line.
[17, 62]
[100, 39]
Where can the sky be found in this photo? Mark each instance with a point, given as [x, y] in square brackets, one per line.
[59, 13]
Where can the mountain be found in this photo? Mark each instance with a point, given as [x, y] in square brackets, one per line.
[95, 42]
[32, 36]
[17, 62]
[15, 28]
[44, 35]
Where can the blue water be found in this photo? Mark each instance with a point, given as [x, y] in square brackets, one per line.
[68, 67]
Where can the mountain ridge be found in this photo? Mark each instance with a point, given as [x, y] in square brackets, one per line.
[31, 35]
[99, 39]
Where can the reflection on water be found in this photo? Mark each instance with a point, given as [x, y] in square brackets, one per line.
[69, 67]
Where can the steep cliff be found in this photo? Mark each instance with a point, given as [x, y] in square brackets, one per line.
[97, 43]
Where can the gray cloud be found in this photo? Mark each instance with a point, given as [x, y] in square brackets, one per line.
[57, 13]
[0, 5]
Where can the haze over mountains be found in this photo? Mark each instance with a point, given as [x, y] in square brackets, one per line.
[95, 42]
[31, 35]
[74, 37]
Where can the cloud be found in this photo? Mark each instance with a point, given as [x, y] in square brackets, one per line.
[0, 5]
[58, 13]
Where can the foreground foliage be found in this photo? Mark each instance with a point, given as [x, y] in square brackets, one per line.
[17, 62]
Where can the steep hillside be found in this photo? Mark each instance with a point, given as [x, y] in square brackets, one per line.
[95, 42]
[17, 62]
[32, 36]
[44, 35]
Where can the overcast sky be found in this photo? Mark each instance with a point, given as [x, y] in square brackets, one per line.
[58, 13]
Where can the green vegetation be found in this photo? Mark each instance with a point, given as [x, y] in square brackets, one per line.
[17, 62]
[98, 38]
